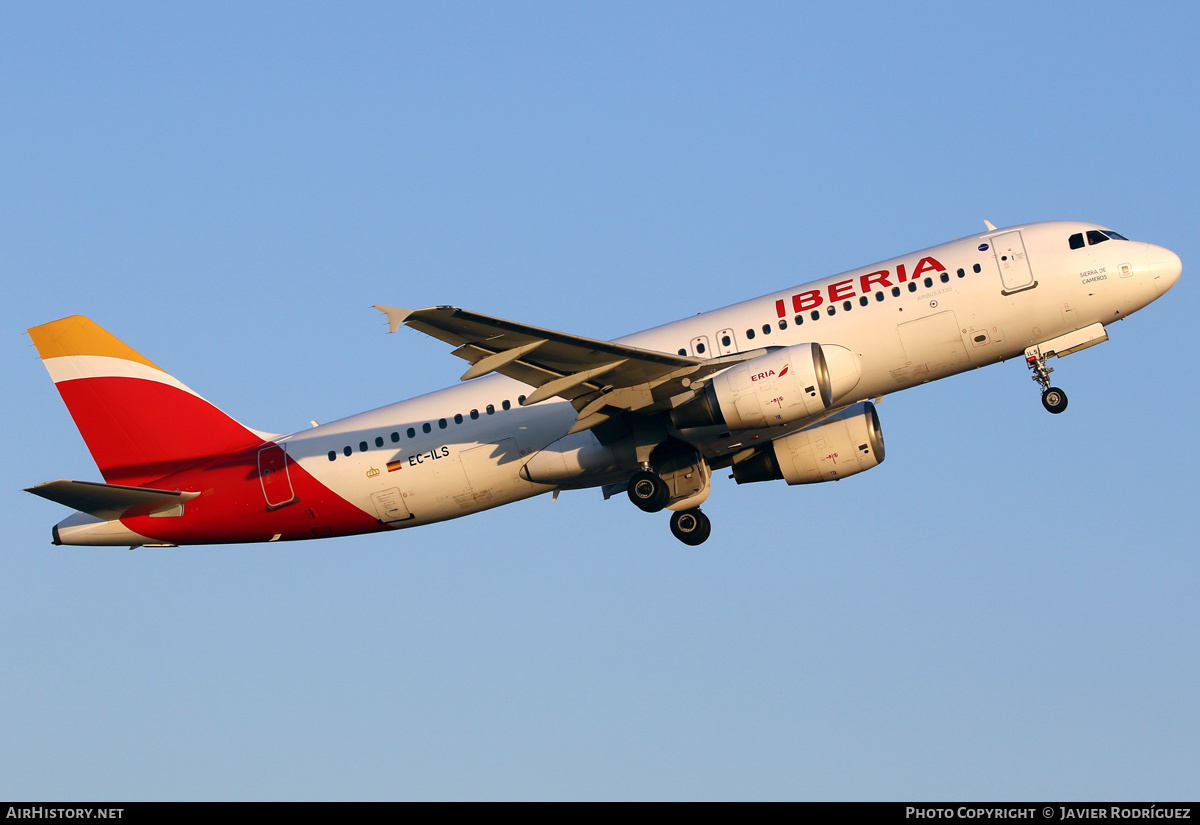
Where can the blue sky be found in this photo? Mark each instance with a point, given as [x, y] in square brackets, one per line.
[1005, 609]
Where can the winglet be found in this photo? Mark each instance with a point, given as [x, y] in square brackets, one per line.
[395, 315]
[988, 224]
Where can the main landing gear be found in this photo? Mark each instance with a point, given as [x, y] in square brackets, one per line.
[690, 526]
[1053, 399]
[650, 493]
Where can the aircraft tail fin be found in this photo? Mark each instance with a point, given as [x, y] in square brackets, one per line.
[139, 422]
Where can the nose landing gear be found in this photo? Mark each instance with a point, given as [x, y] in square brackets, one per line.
[1053, 399]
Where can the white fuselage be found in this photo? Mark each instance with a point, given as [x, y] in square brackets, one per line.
[909, 320]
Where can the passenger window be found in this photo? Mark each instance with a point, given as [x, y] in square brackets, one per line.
[832, 310]
[491, 409]
[1095, 237]
[378, 441]
[895, 292]
[766, 329]
[347, 451]
[683, 352]
[441, 423]
[458, 419]
[474, 414]
[426, 427]
[961, 272]
[815, 315]
[395, 438]
[912, 286]
[977, 269]
[878, 296]
[506, 405]
[783, 323]
[799, 320]
[1076, 240]
[699, 349]
[945, 277]
[847, 306]
[725, 341]
[412, 433]
[332, 455]
[928, 282]
[362, 446]
[862, 302]
[520, 399]
[750, 334]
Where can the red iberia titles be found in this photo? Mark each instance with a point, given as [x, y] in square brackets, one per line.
[851, 287]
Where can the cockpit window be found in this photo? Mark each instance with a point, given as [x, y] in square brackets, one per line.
[1096, 236]
[1077, 240]
[1115, 236]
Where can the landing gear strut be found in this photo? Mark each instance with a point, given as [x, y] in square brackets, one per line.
[1053, 399]
[690, 526]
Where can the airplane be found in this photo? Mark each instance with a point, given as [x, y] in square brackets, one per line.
[780, 387]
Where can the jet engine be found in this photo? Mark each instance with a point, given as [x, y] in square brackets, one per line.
[839, 446]
[789, 384]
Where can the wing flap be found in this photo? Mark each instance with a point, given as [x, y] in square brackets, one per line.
[581, 370]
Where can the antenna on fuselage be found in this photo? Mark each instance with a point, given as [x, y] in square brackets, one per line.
[988, 224]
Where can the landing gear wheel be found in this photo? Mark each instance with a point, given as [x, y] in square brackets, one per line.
[648, 492]
[691, 527]
[1054, 400]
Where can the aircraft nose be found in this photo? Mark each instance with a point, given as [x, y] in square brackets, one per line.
[1165, 268]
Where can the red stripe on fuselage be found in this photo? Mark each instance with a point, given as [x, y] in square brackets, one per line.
[232, 508]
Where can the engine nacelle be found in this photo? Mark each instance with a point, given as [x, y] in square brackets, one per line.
[789, 384]
[839, 446]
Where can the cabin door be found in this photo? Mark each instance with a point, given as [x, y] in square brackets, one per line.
[274, 478]
[1015, 272]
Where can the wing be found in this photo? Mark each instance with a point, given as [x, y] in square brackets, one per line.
[599, 378]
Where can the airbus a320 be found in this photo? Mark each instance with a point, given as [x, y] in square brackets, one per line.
[779, 387]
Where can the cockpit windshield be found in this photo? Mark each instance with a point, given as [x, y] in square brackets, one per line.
[1095, 236]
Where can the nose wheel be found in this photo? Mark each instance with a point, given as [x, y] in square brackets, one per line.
[1053, 399]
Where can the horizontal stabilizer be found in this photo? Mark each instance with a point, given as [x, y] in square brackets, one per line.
[110, 501]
